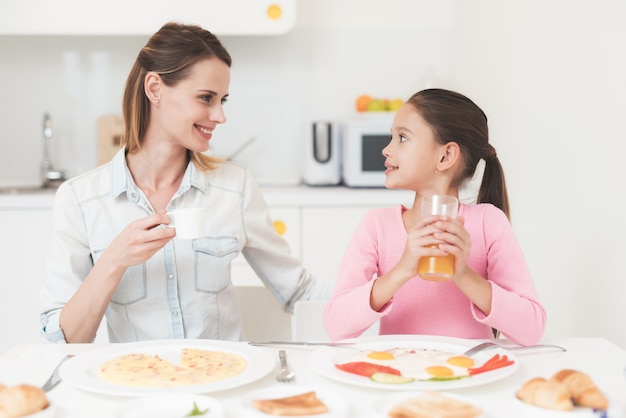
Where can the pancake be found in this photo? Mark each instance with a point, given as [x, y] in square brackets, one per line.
[195, 367]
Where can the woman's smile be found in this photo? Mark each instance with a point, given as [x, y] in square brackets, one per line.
[206, 132]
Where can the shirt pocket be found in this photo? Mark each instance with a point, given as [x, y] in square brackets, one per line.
[133, 286]
[213, 256]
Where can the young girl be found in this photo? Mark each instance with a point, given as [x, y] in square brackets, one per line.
[438, 138]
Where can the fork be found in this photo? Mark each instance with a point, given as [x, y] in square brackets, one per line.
[488, 345]
[284, 375]
[54, 378]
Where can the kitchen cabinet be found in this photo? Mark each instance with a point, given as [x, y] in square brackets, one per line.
[26, 233]
[286, 221]
[25, 237]
[328, 231]
[144, 17]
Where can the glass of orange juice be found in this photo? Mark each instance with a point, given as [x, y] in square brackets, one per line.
[438, 268]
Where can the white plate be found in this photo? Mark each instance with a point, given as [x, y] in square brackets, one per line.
[383, 405]
[337, 406]
[323, 361]
[82, 371]
[175, 405]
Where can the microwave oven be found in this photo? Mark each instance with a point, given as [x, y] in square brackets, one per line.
[363, 140]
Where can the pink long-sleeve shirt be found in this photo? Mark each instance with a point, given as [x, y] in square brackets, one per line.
[436, 308]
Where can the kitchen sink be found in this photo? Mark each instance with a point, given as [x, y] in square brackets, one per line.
[19, 190]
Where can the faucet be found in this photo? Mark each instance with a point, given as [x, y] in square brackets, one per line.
[50, 177]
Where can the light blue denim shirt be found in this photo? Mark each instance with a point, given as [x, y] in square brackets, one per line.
[185, 289]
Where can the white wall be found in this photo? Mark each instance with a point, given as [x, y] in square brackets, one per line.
[550, 75]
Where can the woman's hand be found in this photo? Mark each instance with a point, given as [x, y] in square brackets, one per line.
[83, 313]
[139, 241]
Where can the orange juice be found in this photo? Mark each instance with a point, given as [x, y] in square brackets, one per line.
[438, 269]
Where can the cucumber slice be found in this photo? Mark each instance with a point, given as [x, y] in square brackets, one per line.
[382, 377]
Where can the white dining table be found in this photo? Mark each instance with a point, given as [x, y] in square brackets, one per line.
[604, 361]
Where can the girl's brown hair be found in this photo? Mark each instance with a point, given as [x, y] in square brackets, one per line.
[455, 118]
[170, 52]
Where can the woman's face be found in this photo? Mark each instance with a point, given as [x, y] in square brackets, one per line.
[412, 155]
[189, 111]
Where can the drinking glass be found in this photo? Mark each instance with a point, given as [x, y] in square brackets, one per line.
[438, 268]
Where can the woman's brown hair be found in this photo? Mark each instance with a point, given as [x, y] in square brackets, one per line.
[455, 118]
[170, 52]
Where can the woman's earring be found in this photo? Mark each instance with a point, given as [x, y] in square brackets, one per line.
[156, 100]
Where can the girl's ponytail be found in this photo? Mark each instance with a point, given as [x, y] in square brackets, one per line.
[493, 186]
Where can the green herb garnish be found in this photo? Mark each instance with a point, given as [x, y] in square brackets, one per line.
[195, 412]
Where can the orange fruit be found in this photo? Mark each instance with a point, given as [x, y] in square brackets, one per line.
[361, 102]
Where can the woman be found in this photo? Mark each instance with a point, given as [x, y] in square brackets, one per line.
[438, 138]
[112, 256]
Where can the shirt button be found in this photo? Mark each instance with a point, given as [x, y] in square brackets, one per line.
[175, 313]
[170, 276]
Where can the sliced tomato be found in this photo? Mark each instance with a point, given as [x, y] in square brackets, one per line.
[364, 368]
[495, 362]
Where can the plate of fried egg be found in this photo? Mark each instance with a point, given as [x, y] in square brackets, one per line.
[409, 362]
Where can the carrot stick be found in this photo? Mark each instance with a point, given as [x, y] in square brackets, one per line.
[495, 362]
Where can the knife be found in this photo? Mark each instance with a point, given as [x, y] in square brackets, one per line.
[301, 343]
[54, 378]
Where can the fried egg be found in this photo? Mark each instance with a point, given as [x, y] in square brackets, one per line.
[421, 364]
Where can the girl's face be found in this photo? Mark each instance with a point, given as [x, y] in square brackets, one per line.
[190, 110]
[412, 155]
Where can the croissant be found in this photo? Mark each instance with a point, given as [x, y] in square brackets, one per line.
[582, 389]
[21, 400]
[545, 394]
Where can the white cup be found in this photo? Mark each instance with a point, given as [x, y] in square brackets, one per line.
[188, 222]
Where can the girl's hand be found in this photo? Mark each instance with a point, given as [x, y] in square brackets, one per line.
[454, 239]
[421, 242]
[139, 241]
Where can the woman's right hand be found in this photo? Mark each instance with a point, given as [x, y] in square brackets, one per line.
[83, 313]
[139, 241]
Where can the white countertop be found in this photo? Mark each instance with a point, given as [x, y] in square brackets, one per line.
[300, 195]
[598, 357]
